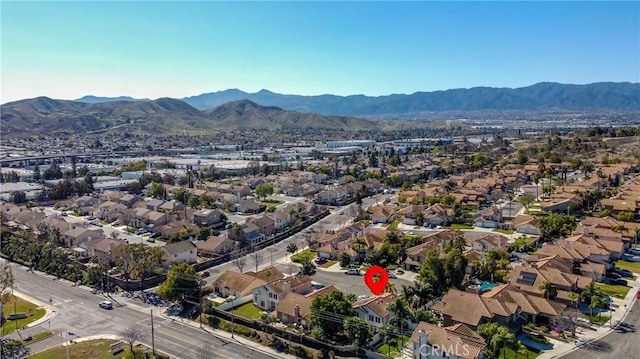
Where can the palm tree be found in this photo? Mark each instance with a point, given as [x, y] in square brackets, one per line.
[390, 288]
[573, 296]
[549, 290]
[401, 312]
[598, 301]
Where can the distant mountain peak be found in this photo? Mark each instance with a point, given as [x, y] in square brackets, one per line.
[98, 99]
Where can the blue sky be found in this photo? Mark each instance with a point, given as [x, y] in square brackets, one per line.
[176, 49]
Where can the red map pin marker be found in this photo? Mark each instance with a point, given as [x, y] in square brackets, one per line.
[376, 286]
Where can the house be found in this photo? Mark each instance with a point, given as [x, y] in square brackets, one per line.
[107, 209]
[265, 225]
[281, 220]
[452, 342]
[526, 224]
[487, 242]
[84, 202]
[536, 309]
[296, 308]
[417, 254]
[183, 251]
[74, 237]
[488, 218]
[438, 215]
[457, 307]
[576, 251]
[412, 215]
[380, 213]
[105, 249]
[374, 311]
[129, 199]
[154, 204]
[208, 218]
[242, 284]
[248, 206]
[268, 295]
[531, 278]
[216, 245]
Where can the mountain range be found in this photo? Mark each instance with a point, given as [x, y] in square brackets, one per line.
[43, 115]
[267, 110]
[544, 96]
[608, 96]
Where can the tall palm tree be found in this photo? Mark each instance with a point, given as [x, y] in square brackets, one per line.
[401, 312]
[390, 288]
[549, 290]
[598, 301]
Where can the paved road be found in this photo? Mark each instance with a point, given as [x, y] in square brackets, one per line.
[79, 313]
[620, 343]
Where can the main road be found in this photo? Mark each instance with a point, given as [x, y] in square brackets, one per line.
[78, 312]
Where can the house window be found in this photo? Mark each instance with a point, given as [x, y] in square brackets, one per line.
[370, 318]
[275, 296]
[270, 295]
[377, 319]
[262, 303]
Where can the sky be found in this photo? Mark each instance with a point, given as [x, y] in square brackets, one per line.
[153, 49]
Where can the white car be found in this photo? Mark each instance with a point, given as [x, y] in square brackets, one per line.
[105, 304]
[391, 275]
[353, 271]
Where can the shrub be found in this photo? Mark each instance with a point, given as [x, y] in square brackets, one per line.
[543, 329]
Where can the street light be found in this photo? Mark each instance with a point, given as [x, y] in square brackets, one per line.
[232, 325]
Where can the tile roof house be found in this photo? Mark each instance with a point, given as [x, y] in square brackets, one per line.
[268, 295]
[526, 224]
[438, 215]
[374, 311]
[296, 308]
[537, 309]
[487, 242]
[236, 284]
[454, 342]
[471, 309]
[380, 213]
[74, 237]
[216, 245]
[183, 251]
[531, 278]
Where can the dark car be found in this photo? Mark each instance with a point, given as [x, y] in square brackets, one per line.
[623, 272]
[619, 281]
[205, 274]
[321, 260]
[614, 275]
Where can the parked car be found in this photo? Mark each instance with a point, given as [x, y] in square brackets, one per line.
[142, 231]
[151, 240]
[391, 275]
[634, 251]
[353, 271]
[619, 281]
[321, 260]
[630, 258]
[623, 272]
[638, 294]
[205, 274]
[64, 214]
[91, 218]
[614, 275]
[105, 304]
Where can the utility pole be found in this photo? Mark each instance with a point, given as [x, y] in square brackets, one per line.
[153, 342]
[232, 325]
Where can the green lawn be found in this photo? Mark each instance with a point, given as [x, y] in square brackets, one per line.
[306, 254]
[391, 346]
[272, 201]
[394, 224]
[632, 266]
[508, 353]
[616, 291]
[97, 349]
[503, 231]
[21, 306]
[460, 226]
[595, 319]
[248, 310]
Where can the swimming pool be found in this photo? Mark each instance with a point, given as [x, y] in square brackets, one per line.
[485, 286]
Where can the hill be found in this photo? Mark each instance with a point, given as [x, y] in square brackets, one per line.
[603, 96]
[97, 99]
[43, 115]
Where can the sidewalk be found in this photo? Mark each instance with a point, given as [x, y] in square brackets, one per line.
[226, 335]
[617, 316]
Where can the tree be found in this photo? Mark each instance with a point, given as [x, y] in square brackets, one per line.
[308, 268]
[401, 313]
[345, 260]
[357, 330]
[183, 282]
[239, 262]
[626, 216]
[292, 247]
[549, 290]
[157, 190]
[526, 200]
[569, 320]
[263, 190]
[256, 258]
[19, 197]
[599, 302]
[131, 335]
[145, 259]
[497, 336]
[328, 312]
[6, 282]
[554, 225]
